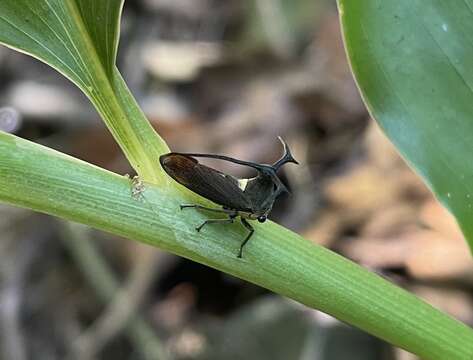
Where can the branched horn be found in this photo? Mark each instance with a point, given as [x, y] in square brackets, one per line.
[287, 157]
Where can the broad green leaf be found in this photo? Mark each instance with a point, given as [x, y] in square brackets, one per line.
[102, 21]
[412, 60]
[79, 38]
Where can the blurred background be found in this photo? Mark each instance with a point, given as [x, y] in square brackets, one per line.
[222, 77]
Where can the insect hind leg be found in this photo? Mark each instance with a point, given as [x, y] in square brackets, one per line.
[248, 226]
[216, 221]
[194, 206]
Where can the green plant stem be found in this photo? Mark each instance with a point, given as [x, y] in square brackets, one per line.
[79, 38]
[129, 126]
[38, 178]
[111, 97]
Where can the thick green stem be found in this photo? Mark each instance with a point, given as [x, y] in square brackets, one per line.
[44, 180]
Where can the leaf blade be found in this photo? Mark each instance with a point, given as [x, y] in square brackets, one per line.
[411, 65]
[104, 31]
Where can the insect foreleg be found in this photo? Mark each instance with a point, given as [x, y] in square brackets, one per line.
[215, 221]
[247, 225]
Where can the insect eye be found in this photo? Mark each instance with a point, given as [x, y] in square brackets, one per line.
[262, 219]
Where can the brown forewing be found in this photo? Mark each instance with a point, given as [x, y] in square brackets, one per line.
[210, 183]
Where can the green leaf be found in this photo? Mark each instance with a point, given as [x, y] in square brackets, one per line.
[42, 179]
[102, 21]
[412, 63]
[79, 38]
[70, 36]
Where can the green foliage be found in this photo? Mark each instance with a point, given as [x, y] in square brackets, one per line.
[412, 62]
[79, 39]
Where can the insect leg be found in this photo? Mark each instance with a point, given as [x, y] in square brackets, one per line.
[215, 221]
[247, 225]
[225, 211]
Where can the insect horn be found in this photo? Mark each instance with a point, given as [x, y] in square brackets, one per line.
[287, 157]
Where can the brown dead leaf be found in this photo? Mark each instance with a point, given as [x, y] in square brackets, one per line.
[434, 256]
[391, 221]
[360, 190]
[436, 217]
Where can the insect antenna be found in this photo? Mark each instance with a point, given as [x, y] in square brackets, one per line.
[287, 157]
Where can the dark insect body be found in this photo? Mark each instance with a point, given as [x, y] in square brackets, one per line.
[250, 199]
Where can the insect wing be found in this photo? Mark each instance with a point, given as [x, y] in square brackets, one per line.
[212, 184]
